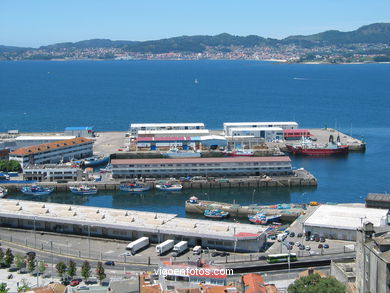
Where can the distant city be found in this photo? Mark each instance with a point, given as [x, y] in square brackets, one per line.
[369, 43]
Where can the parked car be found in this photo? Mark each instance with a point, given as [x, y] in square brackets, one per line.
[302, 247]
[215, 253]
[312, 238]
[109, 263]
[317, 239]
[292, 234]
[299, 235]
[326, 246]
[307, 248]
[322, 239]
[290, 247]
[224, 253]
[74, 283]
[291, 243]
[307, 237]
[82, 288]
[320, 245]
[297, 244]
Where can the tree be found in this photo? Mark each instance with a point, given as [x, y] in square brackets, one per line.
[72, 269]
[86, 270]
[61, 269]
[42, 267]
[10, 166]
[100, 272]
[23, 287]
[3, 288]
[9, 257]
[315, 284]
[31, 263]
[18, 261]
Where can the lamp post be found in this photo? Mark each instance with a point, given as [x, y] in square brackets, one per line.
[52, 259]
[89, 241]
[35, 234]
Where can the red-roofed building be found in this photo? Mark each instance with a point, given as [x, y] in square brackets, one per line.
[233, 166]
[254, 283]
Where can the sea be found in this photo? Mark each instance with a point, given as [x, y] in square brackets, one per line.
[42, 96]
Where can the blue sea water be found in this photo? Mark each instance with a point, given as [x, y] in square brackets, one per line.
[48, 96]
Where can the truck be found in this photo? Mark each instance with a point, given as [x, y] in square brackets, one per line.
[164, 246]
[138, 244]
[179, 248]
[197, 250]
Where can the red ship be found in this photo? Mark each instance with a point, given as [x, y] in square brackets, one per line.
[308, 148]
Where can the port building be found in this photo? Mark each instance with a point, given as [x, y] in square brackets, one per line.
[55, 152]
[130, 225]
[341, 221]
[30, 140]
[156, 129]
[266, 134]
[52, 173]
[227, 126]
[80, 131]
[220, 167]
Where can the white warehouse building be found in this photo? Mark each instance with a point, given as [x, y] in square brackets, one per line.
[25, 141]
[163, 127]
[341, 221]
[267, 133]
[227, 126]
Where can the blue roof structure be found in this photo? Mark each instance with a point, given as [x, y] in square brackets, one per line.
[79, 128]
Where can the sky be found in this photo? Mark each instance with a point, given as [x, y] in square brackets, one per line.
[34, 23]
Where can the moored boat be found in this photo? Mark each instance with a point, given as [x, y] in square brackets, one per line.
[263, 219]
[176, 153]
[95, 161]
[308, 148]
[215, 214]
[3, 191]
[240, 153]
[169, 187]
[134, 187]
[83, 189]
[36, 190]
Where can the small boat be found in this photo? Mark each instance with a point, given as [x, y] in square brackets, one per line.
[215, 214]
[193, 200]
[83, 189]
[169, 187]
[240, 153]
[263, 219]
[3, 192]
[134, 187]
[36, 190]
[95, 161]
[176, 153]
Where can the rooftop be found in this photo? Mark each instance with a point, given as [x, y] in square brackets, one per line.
[384, 197]
[165, 124]
[36, 149]
[257, 129]
[174, 131]
[126, 219]
[346, 217]
[50, 166]
[176, 138]
[259, 123]
[43, 137]
[201, 160]
[79, 128]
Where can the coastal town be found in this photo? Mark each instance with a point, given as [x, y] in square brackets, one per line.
[310, 238]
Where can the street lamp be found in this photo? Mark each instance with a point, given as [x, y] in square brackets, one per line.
[35, 234]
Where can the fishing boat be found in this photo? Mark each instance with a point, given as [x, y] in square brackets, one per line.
[308, 148]
[176, 153]
[193, 200]
[215, 214]
[36, 190]
[83, 189]
[95, 161]
[3, 192]
[263, 219]
[134, 187]
[240, 153]
[169, 187]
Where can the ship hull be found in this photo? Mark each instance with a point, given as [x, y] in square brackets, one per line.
[342, 150]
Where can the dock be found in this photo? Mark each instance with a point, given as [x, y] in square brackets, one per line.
[289, 212]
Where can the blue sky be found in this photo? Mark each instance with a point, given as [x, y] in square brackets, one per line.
[41, 22]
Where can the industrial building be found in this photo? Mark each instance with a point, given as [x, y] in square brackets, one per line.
[227, 126]
[55, 152]
[148, 127]
[80, 131]
[378, 200]
[268, 134]
[341, 221]
[52, 173]
[174, 132]
[220, 167]
[26, 141]
[130, 225]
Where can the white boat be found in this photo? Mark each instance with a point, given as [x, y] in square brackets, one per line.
[134, 187]
[3, 192]
[169, 187]
[176, 153]
[83, 190]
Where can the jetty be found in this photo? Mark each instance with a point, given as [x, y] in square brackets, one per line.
[288, 212]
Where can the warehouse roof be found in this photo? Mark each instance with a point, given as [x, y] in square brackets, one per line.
[259, 123]
[165, 124]
[79, 128]
[200, 160]
[45, 147]
[43, 137]
[345, 217]
[384, 197]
